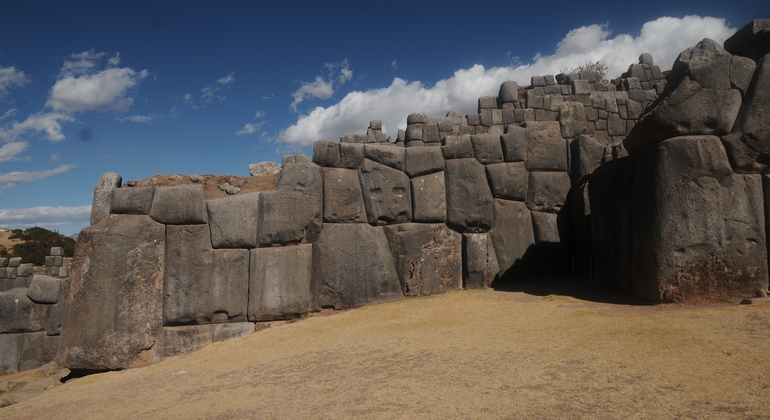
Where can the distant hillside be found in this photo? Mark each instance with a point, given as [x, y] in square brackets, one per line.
[33, 244]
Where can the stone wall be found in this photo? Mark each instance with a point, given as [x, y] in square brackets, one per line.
[30, 311]
[538, 184]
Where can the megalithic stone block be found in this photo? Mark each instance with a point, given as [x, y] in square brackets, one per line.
[353, 266]
[423, 160]
[508, 180]
[133, 200]
[280, 282]
[487, 148]
[114, 301]
[429, 198]
[546, 148]
[234, 221]
[386, 154]
[428, 257]
[343, 200]
[479, 261]
[387, 194]
[179, 205]
[514, 240]
[469, 199]
[18, 313]
[547, 191]
[45, 289]
[293, 213]
[326, 153]
[100, 209]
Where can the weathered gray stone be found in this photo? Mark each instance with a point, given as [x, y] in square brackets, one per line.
[135, 200]
[37, 349]
[646, 58]
[293, 213]
[469, 200]
[351, 155]
[547, 191]
[581, 87]
[3, 262]
[228, 287]
[430, 133]
[353, 266]
[100, 209]
[429, 198]
[189, 263]
[343, 200]
[417, 118]
[386, 154]
[114, 300]
[479, 261]
[749, 144]
[45, 289]
[264, 168]
[698, 228]
[19, 314]
[14, 262]
[387, 194]
[413, 132]
[234, 221]
[180, 204]
[423, 160]
[572, 120]
[508, 180]
[289, 159]
[53, 325]
[698, 99]
[24, 270]
[514, 144]
[741, 72]
[222, 332]
[514, 240]
[10, 353]
[280, 282]
[427, 256]
[487, 102]
[552, 241]
[509, 92]
[174, 340]
[546, 149]
[487, 148]
[445, 125]
[752, 41]
[585, 156]
[327, 153]
[457, 147]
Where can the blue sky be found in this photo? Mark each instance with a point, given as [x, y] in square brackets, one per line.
[191, 87]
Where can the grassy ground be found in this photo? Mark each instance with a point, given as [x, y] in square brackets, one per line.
[464, 355]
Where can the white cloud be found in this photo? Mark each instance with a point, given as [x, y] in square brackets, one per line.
[210, 91]
[10, 78]
[9, 151]
[48, 122]
[83, 87]
[394, 64]
[247, 129]
[138, 118]
[10, 113]
[259, 114]
[44, 216]
[664, 38]
[324, 87]
[55, 157]
[12, 179]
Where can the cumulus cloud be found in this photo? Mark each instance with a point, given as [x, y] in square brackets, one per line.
[11, 150]
[12, 179]
[664, 38]
[210, 91]
[247, 129]
[83, 87]
[44, 216]
[48, 122]
[11, 78]
[337, 74]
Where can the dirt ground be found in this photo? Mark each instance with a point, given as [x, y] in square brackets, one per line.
[463, 355]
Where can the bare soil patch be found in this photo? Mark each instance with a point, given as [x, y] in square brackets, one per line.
[247, 184]
[5, 240]
[470, 355]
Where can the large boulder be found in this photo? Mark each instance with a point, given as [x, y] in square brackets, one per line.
[280, 282]
[748, 146]
[508, 180]
[514, 240]
[469, 199]
[423, 160]
[546, 148]
[343, 199]
[752, 41]
[428, 257]
[45, 289]
[698, 228]
[234, 220]
[294, 212]
[179, 205]
[700, 98]
[353, 266]
[387, 193]
[386, 154]
[547, 191]
[133, 200]
[100, 209]
[114, 300]
[18, 313]
[429, 198]
[480, 267]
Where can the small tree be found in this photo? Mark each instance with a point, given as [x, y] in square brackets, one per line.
[598, 68]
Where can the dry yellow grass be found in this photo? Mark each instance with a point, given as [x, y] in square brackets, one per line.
[464, 355]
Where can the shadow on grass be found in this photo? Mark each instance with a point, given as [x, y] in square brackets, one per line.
[579, 289]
